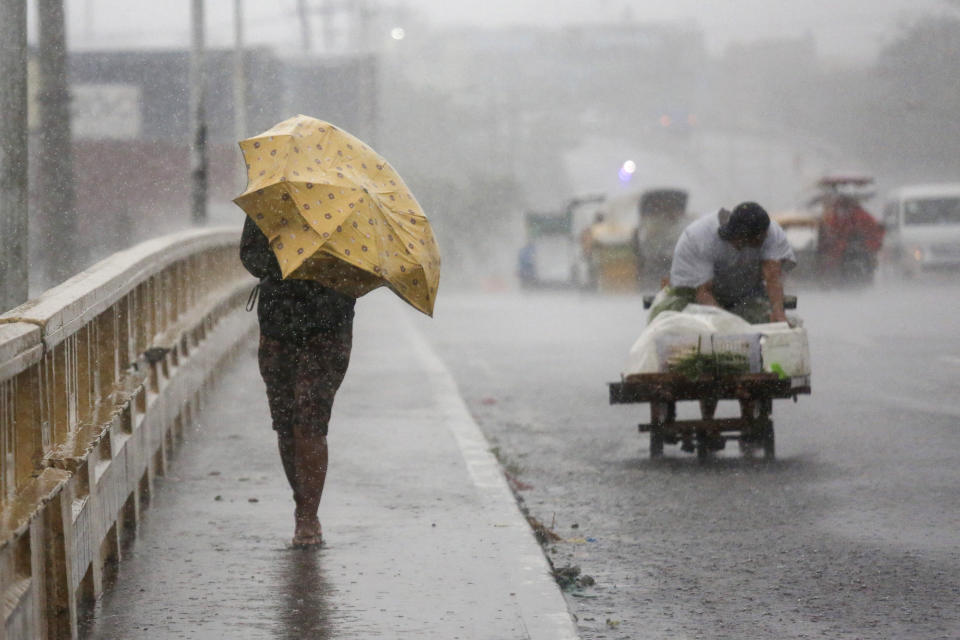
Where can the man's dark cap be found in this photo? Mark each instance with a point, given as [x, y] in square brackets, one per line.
[748, 220]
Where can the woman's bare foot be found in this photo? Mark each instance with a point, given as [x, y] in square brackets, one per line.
[307, 533]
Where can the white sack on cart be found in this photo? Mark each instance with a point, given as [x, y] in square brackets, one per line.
[695, 321]
[783, 348]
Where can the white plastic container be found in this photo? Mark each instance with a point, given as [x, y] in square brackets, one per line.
[785, 351]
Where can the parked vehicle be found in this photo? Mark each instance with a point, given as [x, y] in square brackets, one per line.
[923, 227]
[545, 258]
[551, 255]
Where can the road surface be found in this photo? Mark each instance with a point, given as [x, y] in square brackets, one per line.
[853, 532]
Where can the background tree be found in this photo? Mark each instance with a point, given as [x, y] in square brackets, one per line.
[918, 77]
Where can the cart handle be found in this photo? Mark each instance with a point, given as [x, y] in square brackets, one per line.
[789, 302]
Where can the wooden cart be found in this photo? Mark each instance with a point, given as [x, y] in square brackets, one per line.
[753, 429]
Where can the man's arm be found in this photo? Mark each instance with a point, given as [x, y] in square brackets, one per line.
[774, 285]
[704, 295]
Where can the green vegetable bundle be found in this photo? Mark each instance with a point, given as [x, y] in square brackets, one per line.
[696, 364]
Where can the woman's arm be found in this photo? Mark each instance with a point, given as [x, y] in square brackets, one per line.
[255, 253]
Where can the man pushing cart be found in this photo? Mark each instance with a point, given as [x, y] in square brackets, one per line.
[719, 331]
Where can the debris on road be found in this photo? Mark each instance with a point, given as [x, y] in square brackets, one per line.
[515, 483]
[570, 578]
[542, 533]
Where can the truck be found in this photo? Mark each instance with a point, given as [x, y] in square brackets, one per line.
[662, 218]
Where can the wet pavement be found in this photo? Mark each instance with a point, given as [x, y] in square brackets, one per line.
[423, 537]
[850, 533]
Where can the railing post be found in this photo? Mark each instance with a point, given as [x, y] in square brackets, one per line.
[83, 367]
[108, 360]
[58, 388]
[8, 409]
[29, 434]
[46, 388]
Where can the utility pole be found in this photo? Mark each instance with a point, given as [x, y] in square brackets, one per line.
[304, 25]
[361, 17]
[328, 11]
[239, 74]
[198, 117]
[55, 184]
[365, 16]
[13, 153]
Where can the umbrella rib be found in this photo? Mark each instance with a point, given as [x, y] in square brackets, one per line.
[404, 236]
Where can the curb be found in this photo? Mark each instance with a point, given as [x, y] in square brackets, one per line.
[543, 608]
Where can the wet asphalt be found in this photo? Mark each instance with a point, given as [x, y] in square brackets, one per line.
[854, 530]
[423, 537]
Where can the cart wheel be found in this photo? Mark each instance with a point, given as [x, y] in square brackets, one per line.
[703, 447]
[656, 442]
[767, 440]
[660, 414]
[703, 451]
[708, 407]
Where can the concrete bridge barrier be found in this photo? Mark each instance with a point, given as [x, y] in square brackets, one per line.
[99, 377]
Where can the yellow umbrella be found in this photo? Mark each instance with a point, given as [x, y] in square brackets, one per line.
[336, 212]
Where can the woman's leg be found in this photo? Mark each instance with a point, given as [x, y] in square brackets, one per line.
[323, 365]
[310, 473]
[278, 365]
[286, 446]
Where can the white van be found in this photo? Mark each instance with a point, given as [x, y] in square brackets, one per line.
[923, 227]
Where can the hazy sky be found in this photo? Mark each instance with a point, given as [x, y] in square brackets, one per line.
[841, 27]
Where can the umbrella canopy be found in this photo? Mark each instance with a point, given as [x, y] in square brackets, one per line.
[336, 212]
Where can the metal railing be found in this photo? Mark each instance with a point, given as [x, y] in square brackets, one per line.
[98, 377]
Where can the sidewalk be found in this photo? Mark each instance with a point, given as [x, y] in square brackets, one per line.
[423, 537]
